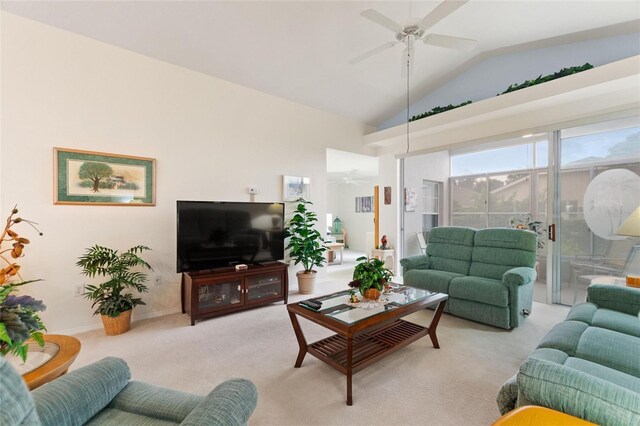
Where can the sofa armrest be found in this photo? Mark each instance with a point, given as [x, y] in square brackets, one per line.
[230, 403]
[519, 276]
[616, 298]
[74, 398]
[415, 262]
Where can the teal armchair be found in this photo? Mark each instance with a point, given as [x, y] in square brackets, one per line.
[102, 394]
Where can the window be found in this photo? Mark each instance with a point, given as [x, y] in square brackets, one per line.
[430, 206]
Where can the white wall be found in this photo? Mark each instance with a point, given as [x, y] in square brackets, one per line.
[434, 167]
[341, 203]
[212, 139]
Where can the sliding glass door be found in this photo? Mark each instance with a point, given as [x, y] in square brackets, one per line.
[597, 185]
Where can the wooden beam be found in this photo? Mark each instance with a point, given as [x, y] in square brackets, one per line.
[376, 215]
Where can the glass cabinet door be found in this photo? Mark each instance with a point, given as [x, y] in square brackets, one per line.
[219, 295]
[264, 286]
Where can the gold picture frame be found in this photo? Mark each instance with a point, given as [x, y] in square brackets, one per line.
[100, 178]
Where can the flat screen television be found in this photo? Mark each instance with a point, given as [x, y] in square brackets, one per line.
[214, 234]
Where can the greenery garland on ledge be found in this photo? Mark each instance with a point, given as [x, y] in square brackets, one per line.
[438, 110]
[512, 88]
[562, 73]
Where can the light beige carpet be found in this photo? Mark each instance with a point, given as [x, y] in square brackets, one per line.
[454, 385]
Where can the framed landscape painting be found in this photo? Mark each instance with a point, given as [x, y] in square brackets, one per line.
[98, 178]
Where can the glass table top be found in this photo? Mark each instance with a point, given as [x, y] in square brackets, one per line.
[337, 305]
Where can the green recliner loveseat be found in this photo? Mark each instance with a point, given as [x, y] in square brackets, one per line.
[487, 273]
[102, 394]
[588, 365]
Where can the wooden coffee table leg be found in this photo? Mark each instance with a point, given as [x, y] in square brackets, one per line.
[349, 370]
[433, 325]
[302, 342]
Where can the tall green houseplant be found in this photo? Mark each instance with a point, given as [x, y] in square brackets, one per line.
[114, 303]
[306, 245]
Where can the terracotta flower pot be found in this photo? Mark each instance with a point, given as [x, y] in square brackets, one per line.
[372, 294]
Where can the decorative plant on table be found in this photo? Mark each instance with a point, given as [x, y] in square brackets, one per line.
[114, 304]
[19, 318]
[306, 245]
[370, 276]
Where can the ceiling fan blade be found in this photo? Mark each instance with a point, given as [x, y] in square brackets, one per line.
[450, 42]
[380, 19]
[372, 52]
[443, 10]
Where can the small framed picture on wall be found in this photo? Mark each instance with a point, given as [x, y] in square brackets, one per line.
[294, 187]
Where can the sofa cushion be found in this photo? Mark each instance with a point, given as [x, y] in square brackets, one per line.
[115, 417]
[605, 318]
[430, 279]
[497, 316]
[564, 336]
[506, 238]
[154, 401]
[478, 289]
[605, 373]
[617, 298]
[452, 235]
[610, 348]
[496, 250]
[450, 248]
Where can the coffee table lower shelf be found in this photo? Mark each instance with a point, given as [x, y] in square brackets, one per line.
[367, 347]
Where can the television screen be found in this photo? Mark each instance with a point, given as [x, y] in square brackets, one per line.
[213, 234]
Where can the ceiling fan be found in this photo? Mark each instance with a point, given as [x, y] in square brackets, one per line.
[347, 179]
[416, 30]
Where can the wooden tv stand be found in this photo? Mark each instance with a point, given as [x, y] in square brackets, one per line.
[221, 291]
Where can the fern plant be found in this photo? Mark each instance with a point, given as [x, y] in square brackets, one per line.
[306, 245]
[110, 296]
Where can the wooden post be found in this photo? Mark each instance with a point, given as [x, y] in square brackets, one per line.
[376, 215]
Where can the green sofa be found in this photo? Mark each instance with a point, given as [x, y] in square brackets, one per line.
[587, 366]
[487, 273]
[101, 394]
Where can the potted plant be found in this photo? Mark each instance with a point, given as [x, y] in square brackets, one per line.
[305, 245]
[369, 277]
[114, 305]
[19, 319]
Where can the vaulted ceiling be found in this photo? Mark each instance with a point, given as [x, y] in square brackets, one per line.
[299, 50]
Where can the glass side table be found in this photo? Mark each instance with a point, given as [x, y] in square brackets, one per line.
[48, 362]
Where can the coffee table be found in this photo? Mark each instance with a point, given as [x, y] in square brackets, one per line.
[363, 337]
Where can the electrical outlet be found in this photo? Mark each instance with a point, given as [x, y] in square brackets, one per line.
[78, 290]
[156, 280]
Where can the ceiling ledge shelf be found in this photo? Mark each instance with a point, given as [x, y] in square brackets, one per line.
[602, 90]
